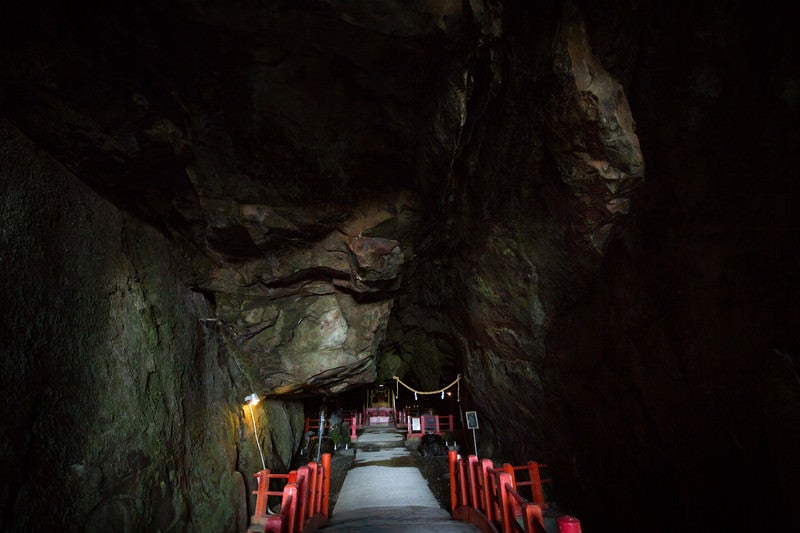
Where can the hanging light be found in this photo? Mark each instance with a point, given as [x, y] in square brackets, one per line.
[415, 395]
[251, 400]
[442, 395]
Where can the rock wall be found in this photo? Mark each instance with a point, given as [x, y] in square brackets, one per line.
[121, 407]
[285, 165]
[350, 191]
[247, 237]
[309, 319]
[634, 335]
[679, 390]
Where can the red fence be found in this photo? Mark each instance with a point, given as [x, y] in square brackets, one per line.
[313, 423]
[354, 416]
[429, 424]
[534, 481]
[486, 496]
[304, 499]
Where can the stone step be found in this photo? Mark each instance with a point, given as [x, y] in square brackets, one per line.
[400, 519]
[384, 437]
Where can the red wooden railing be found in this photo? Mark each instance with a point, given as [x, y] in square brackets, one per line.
[304, 503]
[534, 481]
[353, 429]
[430, 424]
[263, 493]
[313, 423]
[355, 416]
[486, 496]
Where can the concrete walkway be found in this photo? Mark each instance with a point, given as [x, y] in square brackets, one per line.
[380, 495]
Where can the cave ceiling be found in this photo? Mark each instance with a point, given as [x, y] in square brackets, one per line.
[281, 144]
[320, 165]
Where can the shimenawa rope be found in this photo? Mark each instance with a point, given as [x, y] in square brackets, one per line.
[456, 382]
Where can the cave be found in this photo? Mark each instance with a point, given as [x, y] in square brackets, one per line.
[584, 208]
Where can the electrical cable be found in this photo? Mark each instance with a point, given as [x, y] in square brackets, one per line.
[255, 431]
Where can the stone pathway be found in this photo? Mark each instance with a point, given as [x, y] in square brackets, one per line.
[382, 492]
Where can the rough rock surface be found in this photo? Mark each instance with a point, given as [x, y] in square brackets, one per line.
[203, 154]
[205, 199]
[121, 409]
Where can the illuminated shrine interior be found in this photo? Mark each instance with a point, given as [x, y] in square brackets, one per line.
[581, 213]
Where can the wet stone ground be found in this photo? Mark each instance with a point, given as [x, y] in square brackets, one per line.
[435, 470]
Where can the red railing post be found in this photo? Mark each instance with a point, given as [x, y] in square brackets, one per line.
[260, 511]
[274, 524]
[569, 524]
[289, 507]
[536, 483]
[463, 482]
[450, 422]
[320, 484]
[313, 504]
[532, 515]
[452, 458]
[302, 497]
[504, 482]
[472, 472]
[322, 473]
[353, 434]
[326, 484]
[486, 467]
[509, 469]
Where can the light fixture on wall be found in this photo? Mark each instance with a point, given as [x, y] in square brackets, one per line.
[251, 400]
